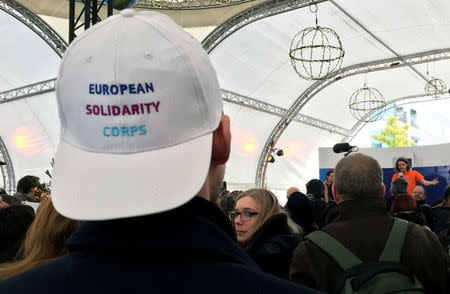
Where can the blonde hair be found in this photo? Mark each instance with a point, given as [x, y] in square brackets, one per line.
[45, 240]
[268, 207]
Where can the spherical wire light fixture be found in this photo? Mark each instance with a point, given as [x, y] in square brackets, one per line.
[316, 53]
[367, 104]
[435, 88]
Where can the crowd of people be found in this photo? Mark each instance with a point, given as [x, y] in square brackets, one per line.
[151, 218]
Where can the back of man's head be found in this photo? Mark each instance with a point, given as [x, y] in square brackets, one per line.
[137, 96]
[447, 196]
[14, 223]
[11, 200]
[399, 186]
[358, 176]
[300, 209]
[290, 191]
[316, 188]
[26, 183]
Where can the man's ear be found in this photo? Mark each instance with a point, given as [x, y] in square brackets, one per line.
[221, 142]
[383, 191]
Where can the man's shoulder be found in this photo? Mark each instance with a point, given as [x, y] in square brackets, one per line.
[415, 173]
[202, 277]
[417, 235]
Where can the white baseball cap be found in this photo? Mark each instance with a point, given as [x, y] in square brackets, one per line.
[138, 101]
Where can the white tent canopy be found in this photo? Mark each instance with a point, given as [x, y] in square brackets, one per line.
[390, 45]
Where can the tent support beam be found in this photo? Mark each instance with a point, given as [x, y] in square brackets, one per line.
[9, 180]
[281, 112]
[36, 24]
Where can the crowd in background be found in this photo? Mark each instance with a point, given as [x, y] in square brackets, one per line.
[266, 231]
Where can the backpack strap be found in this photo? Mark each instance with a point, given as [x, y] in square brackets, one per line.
[394, 245]
[335, 249]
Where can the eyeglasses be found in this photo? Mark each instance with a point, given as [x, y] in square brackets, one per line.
[244, 215]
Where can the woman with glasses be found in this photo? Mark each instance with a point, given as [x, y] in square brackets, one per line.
[262, 231]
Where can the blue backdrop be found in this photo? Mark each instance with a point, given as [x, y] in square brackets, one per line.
[442, 173]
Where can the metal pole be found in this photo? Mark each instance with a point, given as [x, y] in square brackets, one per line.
[110, 8]
[87, 14]
[71, 20]
[94, 12]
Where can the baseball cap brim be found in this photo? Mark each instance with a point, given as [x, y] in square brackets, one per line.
[158, 180]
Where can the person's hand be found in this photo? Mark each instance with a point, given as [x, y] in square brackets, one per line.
[400, 174]
[434, 182]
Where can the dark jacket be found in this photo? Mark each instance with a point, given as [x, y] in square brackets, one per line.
[363, 227]
[411, 216]
[272, 246]
[440, 219]
[191, 249]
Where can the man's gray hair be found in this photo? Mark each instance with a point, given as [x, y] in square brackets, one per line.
[358, 176]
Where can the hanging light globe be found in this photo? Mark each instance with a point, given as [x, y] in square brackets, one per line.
[316, 53]
[435, 88]
[367, 104]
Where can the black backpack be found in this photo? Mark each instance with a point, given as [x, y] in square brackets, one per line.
[387, 275]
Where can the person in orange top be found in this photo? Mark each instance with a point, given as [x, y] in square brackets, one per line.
[403, 169]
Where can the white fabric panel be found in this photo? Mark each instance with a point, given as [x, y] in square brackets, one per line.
[300, 163]
[407, 26]
[24, 56]
[30, 128]
[421, 156]
[249, 130]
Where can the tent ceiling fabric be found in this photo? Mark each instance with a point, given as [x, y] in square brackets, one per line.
[369, 32]
[29, 127]
[185, 18]
[251, 59]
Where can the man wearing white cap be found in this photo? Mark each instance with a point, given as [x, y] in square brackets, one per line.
[142, 133]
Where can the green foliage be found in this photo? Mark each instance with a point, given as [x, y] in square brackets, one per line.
[394, 135]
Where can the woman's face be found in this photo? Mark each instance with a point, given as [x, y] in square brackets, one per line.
[330, 178]
[245, 204]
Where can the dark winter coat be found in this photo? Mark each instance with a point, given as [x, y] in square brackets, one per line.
[191, 249]
[412, 216]
[363, 227]
[440, 219]
[272, 246]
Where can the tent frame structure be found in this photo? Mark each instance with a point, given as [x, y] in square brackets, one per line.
[219, 34]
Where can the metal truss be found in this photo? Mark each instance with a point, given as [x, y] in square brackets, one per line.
[36, 24]
[305, 97]
[278, 111]
[186, 4]
[9, 179]
[28, 90]
[249, 15]
[90, 12]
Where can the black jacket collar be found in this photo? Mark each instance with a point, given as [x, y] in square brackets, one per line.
[198, 225]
